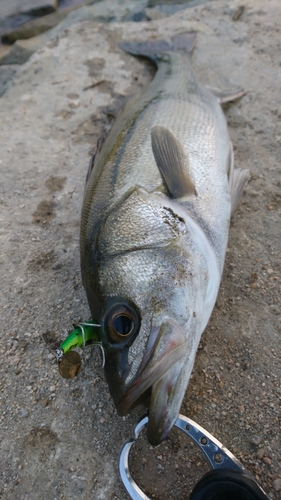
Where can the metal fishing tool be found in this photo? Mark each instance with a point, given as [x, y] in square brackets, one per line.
[228, 479]
[83, 335]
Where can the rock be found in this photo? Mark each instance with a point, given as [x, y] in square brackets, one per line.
[238, 13]
[10, 7]
[38, 7]
[162, 11]
[14, 360]
[21, 343]
[154, 3]
[40, 25]
[275, 309]
[20, 52]
[175, 5]
[277, 484]
[104, 11]
[254, 439]
[260, 453]
[154, 14]
[35, 27]
[137, 17]
[3, 50]
[6, 76]
[25, 8]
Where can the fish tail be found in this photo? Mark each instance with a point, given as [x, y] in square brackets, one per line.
[153, 49]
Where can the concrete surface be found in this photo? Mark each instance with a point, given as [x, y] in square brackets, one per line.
[33, 7]
[61, 439]
[103, 12]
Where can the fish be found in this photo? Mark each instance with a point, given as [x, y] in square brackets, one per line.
[155, 218]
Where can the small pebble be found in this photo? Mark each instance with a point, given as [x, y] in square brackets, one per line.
[254, 439]
[238, 13]
[22, 344]
[24, 413]
[52, 388]
[44, 402]
[270, 271]
[277, 484]
[267, 460]
[260, 453]
[14, 360]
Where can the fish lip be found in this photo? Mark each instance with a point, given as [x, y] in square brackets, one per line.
[162, 352]
[165, 401]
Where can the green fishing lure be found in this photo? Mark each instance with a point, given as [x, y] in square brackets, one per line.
[84, 334]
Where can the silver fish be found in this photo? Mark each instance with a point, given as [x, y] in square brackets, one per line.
[154, 230]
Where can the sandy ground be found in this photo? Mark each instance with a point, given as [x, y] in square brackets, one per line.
[61, 439]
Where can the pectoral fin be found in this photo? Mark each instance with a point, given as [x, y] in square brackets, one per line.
[172, 162]
[229, 96]
[239, 179]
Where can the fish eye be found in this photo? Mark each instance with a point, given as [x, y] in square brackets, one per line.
[121, 323]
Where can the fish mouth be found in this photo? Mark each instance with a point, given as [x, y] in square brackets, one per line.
[162, 373]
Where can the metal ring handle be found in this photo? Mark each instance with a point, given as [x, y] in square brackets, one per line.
[132, 488]
[217, 454]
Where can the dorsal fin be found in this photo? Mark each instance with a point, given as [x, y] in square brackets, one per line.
[172, 162]
[96, 151]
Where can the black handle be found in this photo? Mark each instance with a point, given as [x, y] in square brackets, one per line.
[227, 484]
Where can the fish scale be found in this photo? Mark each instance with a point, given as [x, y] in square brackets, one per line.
[208, 163]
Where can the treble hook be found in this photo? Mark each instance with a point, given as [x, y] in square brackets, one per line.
[99, 344]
